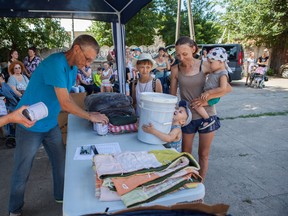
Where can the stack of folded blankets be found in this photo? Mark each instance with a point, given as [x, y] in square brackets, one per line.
[141, 177]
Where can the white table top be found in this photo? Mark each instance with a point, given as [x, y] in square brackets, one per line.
[79, 187]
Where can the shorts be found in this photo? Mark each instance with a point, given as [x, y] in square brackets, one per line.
[193, 126]
[106, 83]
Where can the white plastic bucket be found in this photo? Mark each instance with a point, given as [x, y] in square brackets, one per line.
[158, 109]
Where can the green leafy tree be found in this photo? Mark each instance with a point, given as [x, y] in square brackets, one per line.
[16, 33]
[140, 30]
[260, 22]
[168, 16]
[206, 26]
[206, 23]
[102, 32]
[159, 18]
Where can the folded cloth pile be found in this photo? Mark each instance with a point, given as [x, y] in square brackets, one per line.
[141, 177]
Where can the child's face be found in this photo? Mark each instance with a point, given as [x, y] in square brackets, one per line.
[144, 68]
[161, 52]
[216, 65]
[137, 53]
[106, 66]
[180, 115]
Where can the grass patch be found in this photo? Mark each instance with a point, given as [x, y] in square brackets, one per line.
[258, 115]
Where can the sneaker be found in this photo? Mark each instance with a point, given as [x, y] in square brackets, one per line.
[15, 214]
[206, 123]
[59, 201]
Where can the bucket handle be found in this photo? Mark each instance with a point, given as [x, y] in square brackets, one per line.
[142, 107]
[165, 123]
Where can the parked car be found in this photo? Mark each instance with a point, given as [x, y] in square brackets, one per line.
[235, 57]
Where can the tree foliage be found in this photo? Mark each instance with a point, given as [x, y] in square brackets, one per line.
[204, 17]
[16, 33]
[140, 30]
[260, 22]
[159, 18]
[102, 32]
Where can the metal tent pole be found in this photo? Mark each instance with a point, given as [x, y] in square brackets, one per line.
[190, 19]
[178, 21]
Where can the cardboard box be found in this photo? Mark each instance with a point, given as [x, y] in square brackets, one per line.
[194, 208]
[63, 115]
[79, 98]
[62, 122]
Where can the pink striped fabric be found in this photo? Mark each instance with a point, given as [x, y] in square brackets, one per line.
[123, 128]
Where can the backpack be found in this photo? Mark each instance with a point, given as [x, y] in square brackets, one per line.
[111, 104]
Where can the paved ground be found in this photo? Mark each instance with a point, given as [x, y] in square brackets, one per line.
[248, 163]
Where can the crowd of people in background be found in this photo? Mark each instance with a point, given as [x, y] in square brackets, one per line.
[185, 77]
[256, 66]
[18, 73]
[105, 72]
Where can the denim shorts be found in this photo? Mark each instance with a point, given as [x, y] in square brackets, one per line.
[193, 126]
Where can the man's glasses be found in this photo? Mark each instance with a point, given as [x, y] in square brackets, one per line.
[88, 60]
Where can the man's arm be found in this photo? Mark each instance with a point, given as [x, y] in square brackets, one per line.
[68, 104]
[16, 117]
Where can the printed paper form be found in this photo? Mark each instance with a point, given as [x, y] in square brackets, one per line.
[86, 152]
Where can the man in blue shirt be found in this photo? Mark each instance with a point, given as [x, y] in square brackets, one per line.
[51, 83]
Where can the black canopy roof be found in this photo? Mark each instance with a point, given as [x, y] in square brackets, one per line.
[102, 10]
[119, 12]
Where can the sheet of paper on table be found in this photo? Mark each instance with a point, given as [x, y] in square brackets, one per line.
[103, 148]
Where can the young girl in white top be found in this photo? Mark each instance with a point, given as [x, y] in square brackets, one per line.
[250, 64]
[106, 74]
[145, 83]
